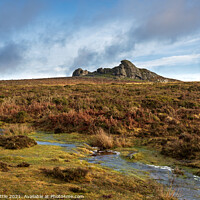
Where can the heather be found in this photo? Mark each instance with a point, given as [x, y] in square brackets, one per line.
[159, 112]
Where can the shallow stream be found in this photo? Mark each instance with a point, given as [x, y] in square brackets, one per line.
[187, 187]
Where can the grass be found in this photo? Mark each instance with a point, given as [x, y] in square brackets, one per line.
[168, 194]
[17, 129]
[16, 142]
[185, 147]
[104, 141]
[67, 175]
[4, 167]
[147, 155]
[160, 116]
[54, 171]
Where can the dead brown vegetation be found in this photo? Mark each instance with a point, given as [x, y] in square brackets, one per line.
[106, 141]
[16, 142]
[4, 167]
[23, 164]
[68, 175]
[184, 147]
[124, 108]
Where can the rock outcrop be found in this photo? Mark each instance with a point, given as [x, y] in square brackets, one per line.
[125, 70]
[80, 72]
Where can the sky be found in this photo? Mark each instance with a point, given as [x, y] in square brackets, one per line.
[52, 38]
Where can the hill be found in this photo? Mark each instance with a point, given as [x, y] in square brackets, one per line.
[154, 124]
[125, 70]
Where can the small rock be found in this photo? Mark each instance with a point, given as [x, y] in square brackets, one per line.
[136, 156]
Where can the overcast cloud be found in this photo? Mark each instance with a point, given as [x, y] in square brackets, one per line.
[52, 38]
[11, 57]
[169, 20]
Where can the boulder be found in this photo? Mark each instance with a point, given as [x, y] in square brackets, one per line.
[80, 72]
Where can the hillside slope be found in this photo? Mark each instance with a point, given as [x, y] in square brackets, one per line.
[125, 70]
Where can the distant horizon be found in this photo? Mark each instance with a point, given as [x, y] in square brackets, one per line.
[48, 38]
[70, 76]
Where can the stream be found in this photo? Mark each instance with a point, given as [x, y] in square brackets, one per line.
[1, 131]
[187, 187]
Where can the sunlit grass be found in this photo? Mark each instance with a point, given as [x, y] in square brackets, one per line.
[32, 180]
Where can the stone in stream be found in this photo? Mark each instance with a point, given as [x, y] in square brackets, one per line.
[135, 155]
[106, 152]
[130, 155]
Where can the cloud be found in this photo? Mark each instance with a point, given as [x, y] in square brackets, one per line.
[147, 21]
[91, 59]
[91, 34]
[172, 60]
[170, 20]
[15, 15]
[118, 47]
[85, 57]
[11, 56]
[183, 67]
[187, 77]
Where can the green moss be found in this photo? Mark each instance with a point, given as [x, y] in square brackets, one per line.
[144, 113]
[137, 156]
[34, 181]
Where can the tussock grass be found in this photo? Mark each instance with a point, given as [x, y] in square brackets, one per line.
[102, 140]
[124, 108]
[4, 167]
[97, 184]
[68, 175]
[167, 194]
[184, 147]
[17, 129]
[16, 142]
[156, 113]
[106, 141]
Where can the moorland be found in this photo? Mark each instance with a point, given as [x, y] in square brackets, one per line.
[123, 115]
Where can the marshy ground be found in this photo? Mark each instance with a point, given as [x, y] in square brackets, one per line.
[58, 171]
[158, 123]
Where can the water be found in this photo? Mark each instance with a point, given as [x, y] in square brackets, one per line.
[1, 131]
[187, 187]
[70, 146]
